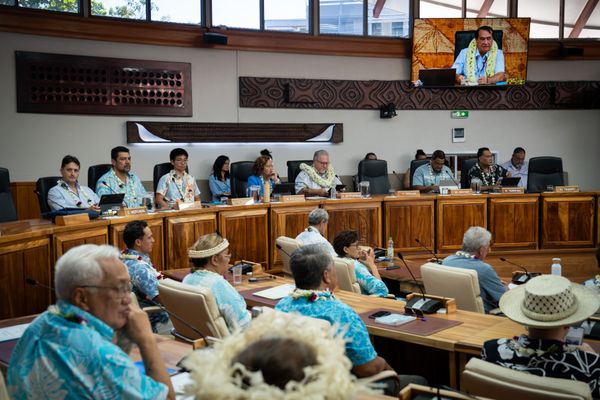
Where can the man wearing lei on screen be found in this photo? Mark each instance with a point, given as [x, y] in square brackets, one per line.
[482, 62]
[316, 180]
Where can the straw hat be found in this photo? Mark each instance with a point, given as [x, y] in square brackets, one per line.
[549, 301]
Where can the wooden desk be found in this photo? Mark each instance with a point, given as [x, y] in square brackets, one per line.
[287, 219]
[361, 215]
[456, 214]
[513, 220]
[407, 219]
[182, 229]
[247, 229]
[568, 220]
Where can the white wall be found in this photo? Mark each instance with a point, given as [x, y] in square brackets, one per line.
[32, 145]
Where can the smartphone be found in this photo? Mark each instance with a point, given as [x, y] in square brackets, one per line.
[379, 314]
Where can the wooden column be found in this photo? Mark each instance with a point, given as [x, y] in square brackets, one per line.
[568, 220]
[456, 214]
[409, 218]
[361, 215]
[247, 229]
[155, 223]
[182, 231]
[513, 221]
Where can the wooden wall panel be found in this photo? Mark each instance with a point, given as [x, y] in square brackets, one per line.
[454, 216]
[513, 221]
[156, 226]
[248, 233]
[181, 233]
[286, 220]
[62, 242]
[25, 200]
[407, 220]
[355, 215]
[568, 220]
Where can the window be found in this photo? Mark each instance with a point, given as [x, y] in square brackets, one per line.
[341, 17]
[440, 9]
[544, 16]
[388, 18]
[70, 6]
[375, 29]
[180, 11]
[581, 20]
[478, 9]
[236, 13]
[287, 16]
[127, 9]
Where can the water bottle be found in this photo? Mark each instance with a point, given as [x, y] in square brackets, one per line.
[556, 268]
[333, 193]
[390, 249]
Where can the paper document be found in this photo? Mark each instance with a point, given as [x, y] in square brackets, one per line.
[180, 381]
[12, 332]
[277, 292]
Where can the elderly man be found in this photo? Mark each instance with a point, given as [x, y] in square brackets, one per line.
[482, 62]
[428, 176]
[120, 179]
[487, 172]
[475, 247]
[316, 180]
[547, 306]
[68, 351]
[139, 241]
[315, 233]
[517, 166]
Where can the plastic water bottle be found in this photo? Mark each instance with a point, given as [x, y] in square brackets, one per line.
[556, 268]
[333, 193]
[390, 249]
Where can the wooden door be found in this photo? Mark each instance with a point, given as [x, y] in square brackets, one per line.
[182, 232]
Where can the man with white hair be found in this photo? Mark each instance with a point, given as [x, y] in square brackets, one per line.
[475, 247]
[68, 352]
[316, 180]
[315, 233]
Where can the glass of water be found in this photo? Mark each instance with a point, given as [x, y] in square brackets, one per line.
[364, 189]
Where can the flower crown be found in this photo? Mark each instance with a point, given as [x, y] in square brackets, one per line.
[209, 252]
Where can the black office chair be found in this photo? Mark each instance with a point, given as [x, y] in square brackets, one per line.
[464, 169]
[544, 171]
[414, 164]
[95, 172]
[7, 205]
[463, 38]
[375, 172]
[239, 172]
[42, 187]
[293, 168]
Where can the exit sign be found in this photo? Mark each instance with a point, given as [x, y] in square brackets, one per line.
[459, 114]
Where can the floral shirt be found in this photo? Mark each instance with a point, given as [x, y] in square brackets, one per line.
[231, 304]
[489, 178]
[217, 188]
[109, 183]
[174, 187]
[61, 358]
[358, 346]
[61, 196]
[367, 282]
[545, 357]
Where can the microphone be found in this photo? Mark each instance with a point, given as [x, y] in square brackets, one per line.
[519, 279]
[177, 317]
[246, 265]
[111, 189]
[423, 304]
[33, 282]
[437, 260]
[397, 176]
[282, 250]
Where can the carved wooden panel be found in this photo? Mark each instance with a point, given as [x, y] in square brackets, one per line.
[567, 220]
[363, 216]
[454, 216]
[61, 83]
[247, 230]
[345, 94]
[513, 221]
[409, 219]
[63, 242]
[155, 225]
[287, 220]
[182, 232]
[18, 261]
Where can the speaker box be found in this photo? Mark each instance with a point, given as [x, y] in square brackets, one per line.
[214, 38]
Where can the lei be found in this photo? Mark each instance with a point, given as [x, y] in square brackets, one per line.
[129, 183]
[72, 317]
[187, 194]
[315, 177]
[520, 345]
[75, 196]
[465, 254]
[312, 295]
[488, 178]
[597, 280]
[432, 174]
[491, 60]
[125, 255]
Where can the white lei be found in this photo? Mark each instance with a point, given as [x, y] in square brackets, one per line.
[491, 60]
[465, 254]
[315, 177]
[432, 174]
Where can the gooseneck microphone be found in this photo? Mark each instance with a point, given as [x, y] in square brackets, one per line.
[519, 279]
[177, 317]
[423, 304]
[437, 260]
[397, 176]
[33, 282]
[515, 264]
[282, 250]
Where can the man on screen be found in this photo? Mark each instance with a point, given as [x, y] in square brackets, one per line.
[482, 62]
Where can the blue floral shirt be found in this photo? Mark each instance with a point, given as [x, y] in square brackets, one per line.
[254, 180]
[134, 191]
[230, 303]
[367, 282]
[358, 346]
[217, 188]
[57, 358]
[174, 188]
[61, 196]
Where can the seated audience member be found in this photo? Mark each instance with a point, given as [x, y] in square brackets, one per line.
[419, 155]
[263, 174]
[427, 177]
[68, 352]
[517, 166]
[489, 174]
[210, 257]
[475, 247]
[267, 153]
[316, 180]
[367, 275]
[595, 281]
[279, 356]
[315, 278]
[177, 185]
[68, 193]
[482, 62]
[370, 156]
[120, 179]
[218, 181]
[315, 233]
[144, 277]
[547, 306]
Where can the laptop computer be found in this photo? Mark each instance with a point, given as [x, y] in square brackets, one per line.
[433, 77]
[510, 182]
[111, 201]
[283, 188]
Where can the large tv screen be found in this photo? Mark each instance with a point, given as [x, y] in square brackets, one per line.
[438, 43]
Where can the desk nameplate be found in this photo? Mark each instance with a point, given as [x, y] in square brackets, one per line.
[512, 190]
[128, 211]
[565, 189]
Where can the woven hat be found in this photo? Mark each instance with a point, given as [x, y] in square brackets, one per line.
[549, 301]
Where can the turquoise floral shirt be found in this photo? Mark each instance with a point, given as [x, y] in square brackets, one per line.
[174, 188]
[367, 282]
[60, 358]
[134, 191]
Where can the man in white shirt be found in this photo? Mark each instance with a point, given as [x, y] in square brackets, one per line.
[315, 233]
[517, 166]
[318, 178]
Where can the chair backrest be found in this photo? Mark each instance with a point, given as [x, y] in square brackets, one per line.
[464, 169]
[160, 170]
[544, 171]
[293, 168]
[8, 211]
[376, 172]
[463, 38]
[458, 283]
[239, 172]
[482, 378]
[42, 187]
[288, 246]
[95, 172]
[3, 390]
[414, 164]
[195, 305]
[346, 276]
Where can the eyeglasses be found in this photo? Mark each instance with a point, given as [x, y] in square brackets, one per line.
[416, 312]
[121, 290]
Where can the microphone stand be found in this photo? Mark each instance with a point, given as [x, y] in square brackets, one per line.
[437, 260]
